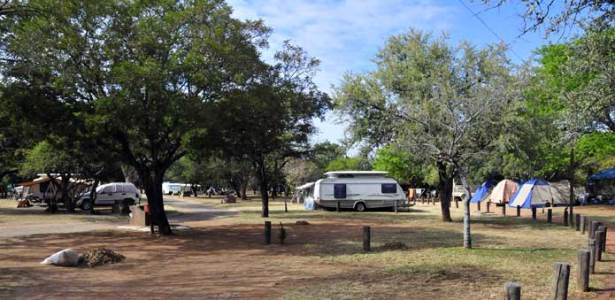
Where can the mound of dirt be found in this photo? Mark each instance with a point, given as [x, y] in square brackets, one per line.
[101, 256]
[394, 246]
[302, 222]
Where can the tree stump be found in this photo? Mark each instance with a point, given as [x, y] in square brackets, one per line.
[583, 270]
[560, 281]
[267, 232]
[592, 256]
[565, 217]
[366, 238]
[599, 244]
[518, 210]
[512, 291]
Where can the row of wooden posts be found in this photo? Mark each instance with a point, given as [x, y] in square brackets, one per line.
[587, 258]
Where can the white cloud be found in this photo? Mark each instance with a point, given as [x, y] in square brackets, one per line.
[345, 35]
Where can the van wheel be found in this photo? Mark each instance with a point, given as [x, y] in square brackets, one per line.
[86, 204]
[360, 207]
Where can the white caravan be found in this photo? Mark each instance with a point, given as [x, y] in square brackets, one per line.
[358, 190]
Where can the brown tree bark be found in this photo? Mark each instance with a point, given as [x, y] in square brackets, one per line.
[153, 189]
[264, 187]
[445, 191]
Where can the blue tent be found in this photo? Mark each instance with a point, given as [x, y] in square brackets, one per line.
[603, 175]
[482, 192]
[537, 192]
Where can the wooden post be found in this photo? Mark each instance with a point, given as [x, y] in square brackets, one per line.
[488, 205]
[577, 222]
[565, 216]
[337, 206]
[571, 216]
[478, 206]
[503, 209]
[592, 256]
[599, 244]
[395, 206]
[456, 202]
[366, 239]
[583, 224]
[534, 213]
[549, 215]
[512, 291]
[518, 210]
[560, 281]
[604, 240]
[592, 228]
[583, 270]
[267, 232]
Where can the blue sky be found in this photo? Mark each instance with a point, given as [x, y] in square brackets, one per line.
[346, 34]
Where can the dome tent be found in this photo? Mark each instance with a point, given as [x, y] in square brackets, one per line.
[503, 191]
[537, 193]
[482, 192]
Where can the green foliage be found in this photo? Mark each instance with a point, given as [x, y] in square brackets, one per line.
[325, 152]
[348, 163]
[401, 165]
[597, 150]
[45, 158]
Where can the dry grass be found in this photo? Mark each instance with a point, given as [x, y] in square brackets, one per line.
[226, 258]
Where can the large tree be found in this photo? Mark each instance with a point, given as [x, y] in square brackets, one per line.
[442, 103]
[145, 72]
[270, 121]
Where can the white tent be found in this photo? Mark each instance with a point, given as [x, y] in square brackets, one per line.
[537, 193]
[503, 191]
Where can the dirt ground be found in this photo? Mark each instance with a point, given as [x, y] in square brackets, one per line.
[226, 259]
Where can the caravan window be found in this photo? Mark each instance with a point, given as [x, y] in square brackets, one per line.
[339, 190]
[389, 188]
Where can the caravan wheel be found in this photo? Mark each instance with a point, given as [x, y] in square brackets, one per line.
[360, 207]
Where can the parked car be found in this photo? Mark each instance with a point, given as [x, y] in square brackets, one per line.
[109, 194]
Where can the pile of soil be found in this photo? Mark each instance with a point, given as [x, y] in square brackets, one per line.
[101, 256]
[394, 246]
[302, 222]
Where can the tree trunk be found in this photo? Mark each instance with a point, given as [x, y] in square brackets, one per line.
[467, 237]
[264, 187]
[68, 202]
[244, 188]
[571, 179]
[194, 188]
[153, 189]
[445, 191]
[93, 196]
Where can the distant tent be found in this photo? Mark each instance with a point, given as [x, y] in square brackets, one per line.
[503, 191]
[538, 192]
[602, 184]
[603, 175]
[482, 192]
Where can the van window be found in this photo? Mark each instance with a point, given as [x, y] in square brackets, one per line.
[339, 190]
[388, 188]
[108, 189]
